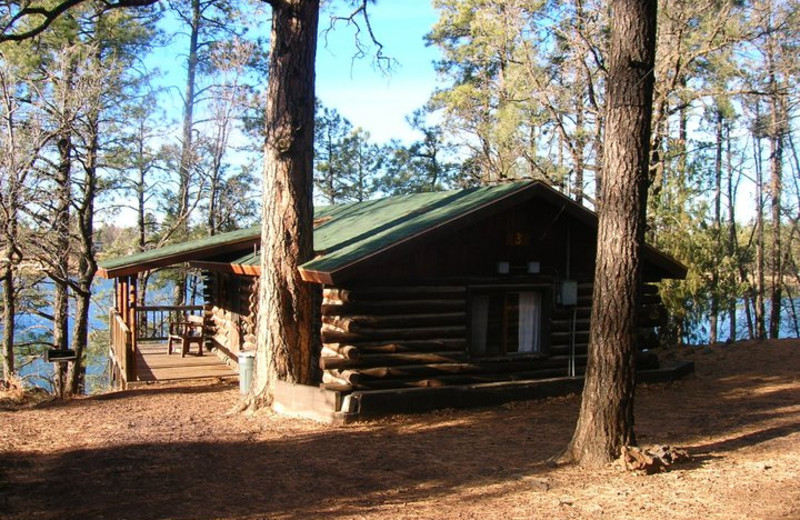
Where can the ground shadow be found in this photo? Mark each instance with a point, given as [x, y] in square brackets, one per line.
[329, 474]
[342, 472]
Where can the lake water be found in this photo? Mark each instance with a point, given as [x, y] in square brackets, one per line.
[40, 373]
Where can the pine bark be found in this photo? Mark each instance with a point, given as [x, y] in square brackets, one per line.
[61, 252]
[733, 241]
[87, 264]
[715, 273]
[9, 301]
[606, 419]
[779, 117]
[10, 256]
[187, 142]
[286, 317]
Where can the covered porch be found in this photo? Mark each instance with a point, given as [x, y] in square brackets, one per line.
[155, 365]
[139, 333]
[143, 357]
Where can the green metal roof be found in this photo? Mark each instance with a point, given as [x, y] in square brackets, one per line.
[349, 234]
[352, 232]
[178, 253]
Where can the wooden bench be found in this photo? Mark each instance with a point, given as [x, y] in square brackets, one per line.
[190, 330]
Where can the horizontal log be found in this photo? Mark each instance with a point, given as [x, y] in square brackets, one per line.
[564, 338]
[416, 345]
[565, 313]
[337, 387]
[462, 379]
[565, 325]
[563, 350]
[371, 293]
[357, 323]
[337, 336]
[336, 375]
[475, 367]
[340, 350]
[329, 379]
[393, 307]
[372, 360]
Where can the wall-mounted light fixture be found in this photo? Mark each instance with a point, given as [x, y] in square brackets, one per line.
[503, 267]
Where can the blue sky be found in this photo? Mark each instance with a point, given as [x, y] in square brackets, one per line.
[368, 98]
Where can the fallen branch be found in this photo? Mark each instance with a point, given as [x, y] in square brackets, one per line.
[653, 460]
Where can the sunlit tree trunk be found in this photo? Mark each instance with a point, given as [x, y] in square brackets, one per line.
[605, 423]
[285, 317]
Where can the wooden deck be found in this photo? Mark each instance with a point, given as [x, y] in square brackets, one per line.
[154, 364]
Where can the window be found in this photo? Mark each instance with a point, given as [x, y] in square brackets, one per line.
[505, 322]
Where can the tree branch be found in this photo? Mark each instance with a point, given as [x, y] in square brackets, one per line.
[382, 62]
[41, 18]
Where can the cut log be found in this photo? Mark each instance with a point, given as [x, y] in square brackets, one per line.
[329, 378]
[349, 377]
[476, 367]
[563, 350]
[340, 350]
[565, 313]
[337, 336]
[337, 387]
[416, 345]
[461, 379]
[363, 294]
[373, 360]
[564, 338]
[393, 307]
[565, 325]
[358, 323]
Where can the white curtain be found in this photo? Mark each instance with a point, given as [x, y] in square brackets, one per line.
[530, 311]
[480, 323]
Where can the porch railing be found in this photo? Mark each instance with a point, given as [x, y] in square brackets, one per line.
[123, 366]
[152, 322]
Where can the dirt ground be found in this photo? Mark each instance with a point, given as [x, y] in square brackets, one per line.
[174, 452]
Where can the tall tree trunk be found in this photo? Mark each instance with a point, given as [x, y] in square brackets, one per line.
[141, 215]
[760, 332]
[715, 280]
[777, 124]
[87, 264]
[286, 315]
[187, 142]
[9, 301]
[605, 423]
[733, 242]
[9, 259]
[61, 253]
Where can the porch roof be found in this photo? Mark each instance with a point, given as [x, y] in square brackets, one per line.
[233, 241]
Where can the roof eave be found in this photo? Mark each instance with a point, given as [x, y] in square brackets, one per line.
[177, 258]
[240, 269]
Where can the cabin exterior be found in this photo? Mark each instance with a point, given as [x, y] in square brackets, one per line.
[436, 291]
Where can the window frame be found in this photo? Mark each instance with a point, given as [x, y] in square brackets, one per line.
[546, 304]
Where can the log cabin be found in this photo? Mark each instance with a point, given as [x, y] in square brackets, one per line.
[429, 300]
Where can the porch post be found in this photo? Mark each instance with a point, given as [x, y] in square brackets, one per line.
[134, 322]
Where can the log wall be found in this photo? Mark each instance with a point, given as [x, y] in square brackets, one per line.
[417, 336]
[232, 306]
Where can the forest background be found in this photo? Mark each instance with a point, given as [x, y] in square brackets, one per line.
[91, 129]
